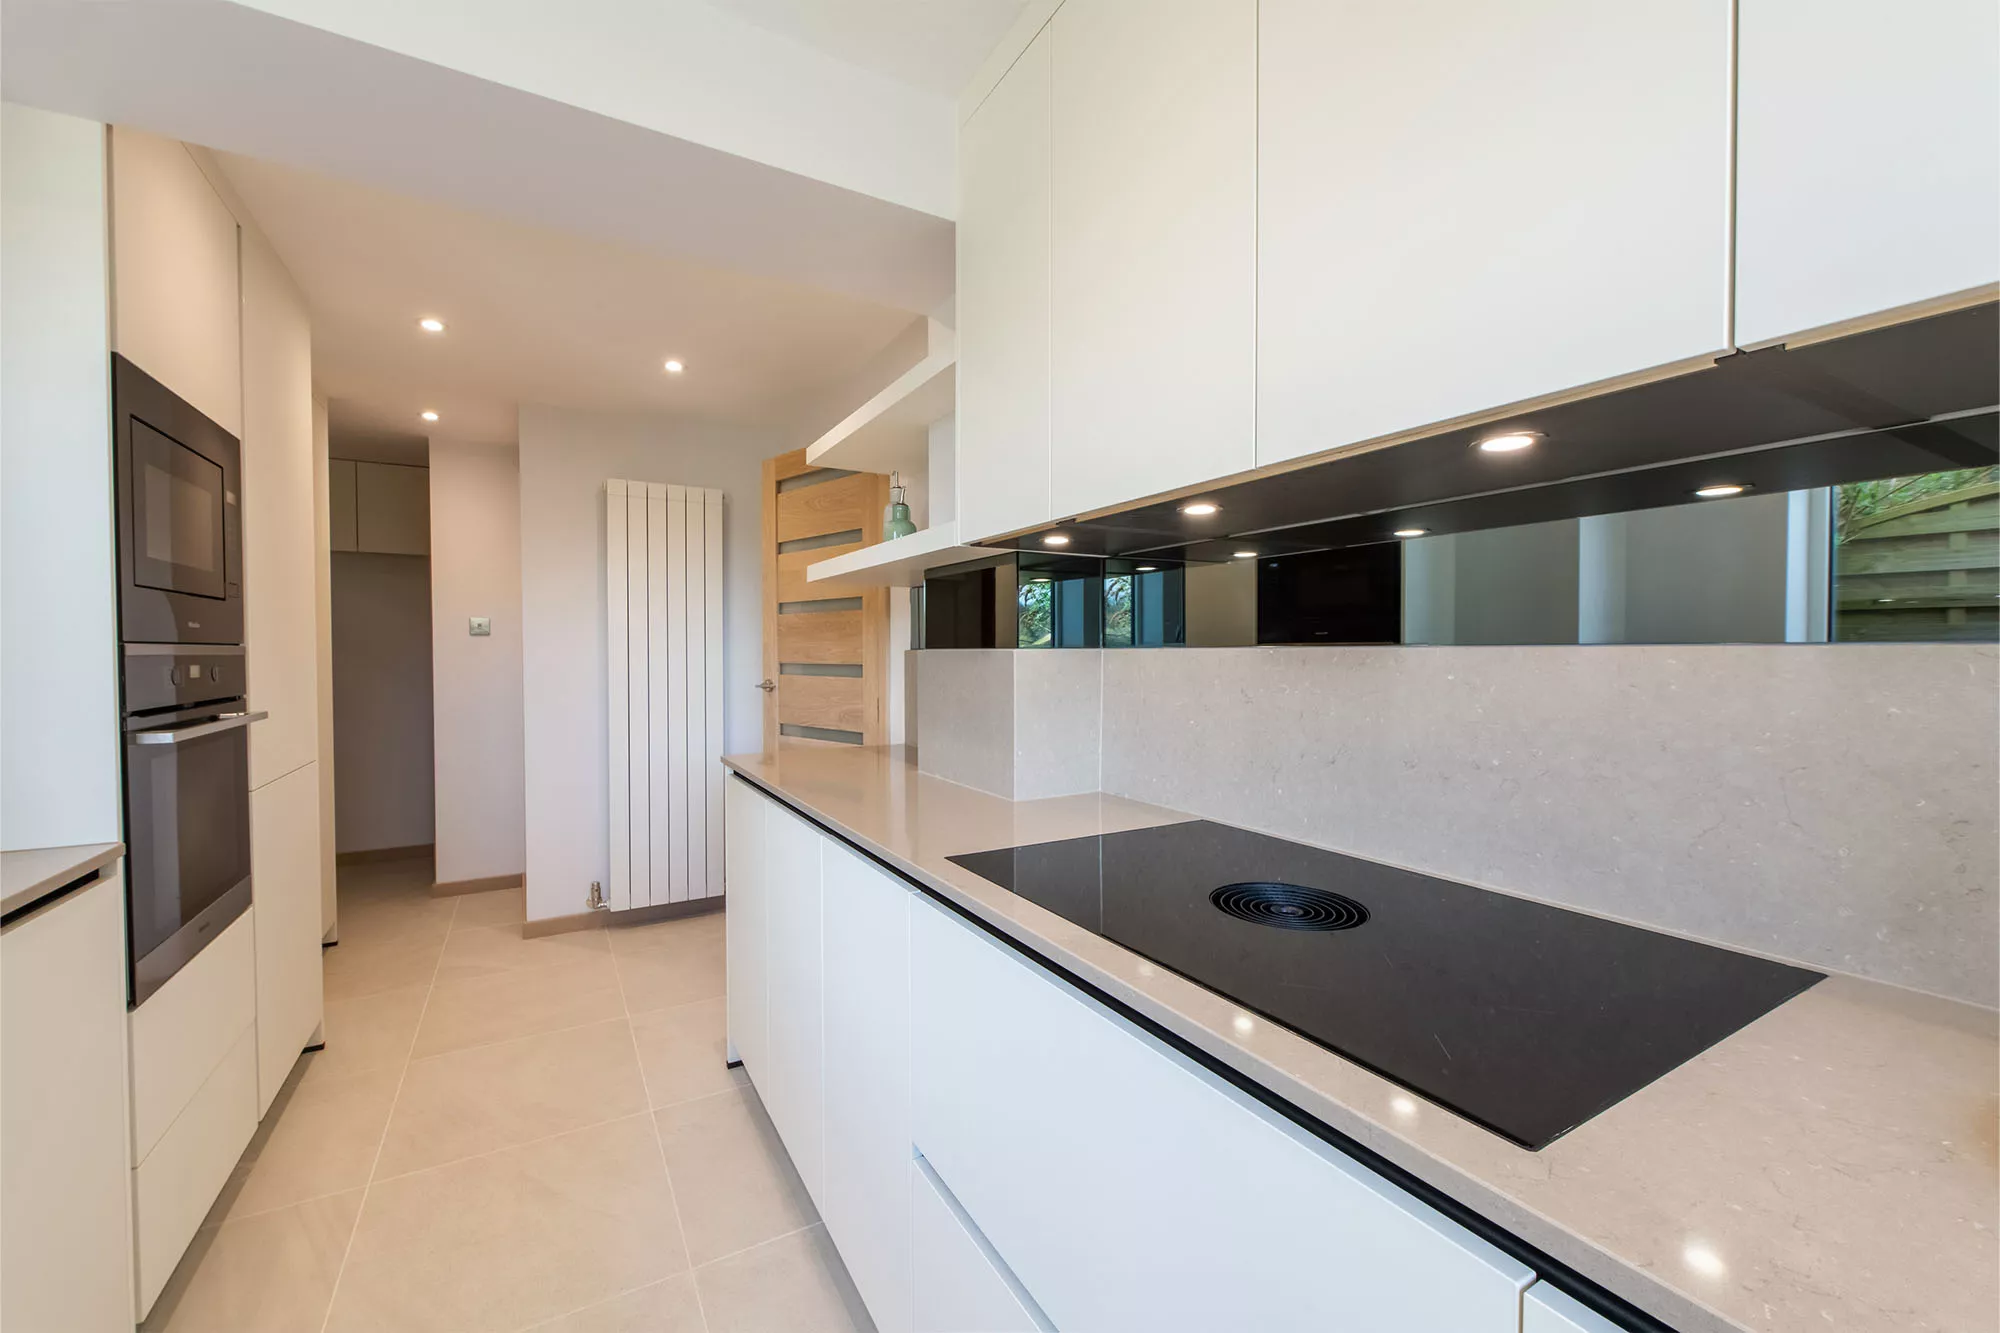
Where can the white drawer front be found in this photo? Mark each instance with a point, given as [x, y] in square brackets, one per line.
[1130, 1189]
[957, 1285]
[185, 1028]
[1546, 1310]
[743, 924]
[176, 1184]
[792, 1079]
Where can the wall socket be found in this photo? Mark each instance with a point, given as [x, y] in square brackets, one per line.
[479, 626]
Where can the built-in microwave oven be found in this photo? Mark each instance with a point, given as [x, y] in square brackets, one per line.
[180, 528]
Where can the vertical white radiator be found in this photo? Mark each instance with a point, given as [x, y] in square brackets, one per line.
[663, 636]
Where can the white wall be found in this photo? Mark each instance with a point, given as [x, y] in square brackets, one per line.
[59, 759]
[476, 682]
[566, 456]
[381, 701]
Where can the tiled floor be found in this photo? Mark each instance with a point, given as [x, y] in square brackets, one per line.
[510, 1134]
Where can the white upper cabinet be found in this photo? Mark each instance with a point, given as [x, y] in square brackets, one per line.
[392, 509]
[1154, 258]
[1868, 170]
[1003, 304]
[1462, 206]
[174, 304]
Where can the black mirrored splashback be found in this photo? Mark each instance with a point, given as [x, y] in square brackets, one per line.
[1893, 558]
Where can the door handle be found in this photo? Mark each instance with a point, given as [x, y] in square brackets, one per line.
[767, 685]
[175, 735]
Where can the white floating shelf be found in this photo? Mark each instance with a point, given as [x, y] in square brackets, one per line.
[892, 429]
[893, 564]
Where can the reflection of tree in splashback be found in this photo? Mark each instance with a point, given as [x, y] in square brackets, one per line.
[1037, 613]
[1118, 611]
[1918, 558]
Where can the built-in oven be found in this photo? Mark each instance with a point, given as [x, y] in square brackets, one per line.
[187, 804]
[180, 530]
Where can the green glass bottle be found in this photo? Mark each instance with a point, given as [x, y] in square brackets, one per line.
[896, 518]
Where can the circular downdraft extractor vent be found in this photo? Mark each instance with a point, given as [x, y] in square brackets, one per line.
[1289, 906]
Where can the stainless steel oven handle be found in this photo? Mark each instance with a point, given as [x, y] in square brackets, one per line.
[175, 735]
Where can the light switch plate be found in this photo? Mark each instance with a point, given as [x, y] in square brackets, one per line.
[479, 626]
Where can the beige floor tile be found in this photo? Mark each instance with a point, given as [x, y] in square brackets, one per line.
[486, 1097]
[518, 1004]
[503, 1240]
[320, 1137]
[368, 1032]
[496, 907]
[795, 1282]
[370, 966]
[665, 1307]
[684, 1053]
[409, 915]
[679, 970]
[637, 939]
[484, 951]
[272, 1273]
[736, 1186]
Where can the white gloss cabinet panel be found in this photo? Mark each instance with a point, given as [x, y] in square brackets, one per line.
[744, 814]
[867, 1086]
[792, 1078]
[65, 1212]
[1003, 304]
[1868, 148]
[1466, 206]
[1154, 256]
[175, 308]
[957, 1285]
[1129, 1189]
[280, 582]
[284, 879]
[1546, 1310]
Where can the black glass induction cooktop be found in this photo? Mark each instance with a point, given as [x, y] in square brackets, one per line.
[1526, 1018]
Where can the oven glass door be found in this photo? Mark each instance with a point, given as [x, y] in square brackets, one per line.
[178, 502]
[188, 863]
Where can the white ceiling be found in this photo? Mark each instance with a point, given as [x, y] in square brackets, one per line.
[535, 315]
[935, 45]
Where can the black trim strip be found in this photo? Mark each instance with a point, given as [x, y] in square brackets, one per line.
[1547, 1268]
[54, 895]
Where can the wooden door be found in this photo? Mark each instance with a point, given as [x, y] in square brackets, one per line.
[825, 658]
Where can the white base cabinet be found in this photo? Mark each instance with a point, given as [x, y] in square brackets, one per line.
[65, 1211]
[994, 1150]
[1546, 1310]
[284, 877]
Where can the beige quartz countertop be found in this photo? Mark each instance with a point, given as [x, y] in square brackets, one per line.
[1832, 1166]
[27, 877]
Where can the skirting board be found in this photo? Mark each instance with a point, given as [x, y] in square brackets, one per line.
[451, 888]
[384, 854]
[638, 916]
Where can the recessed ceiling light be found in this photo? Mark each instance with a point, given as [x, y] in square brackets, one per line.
[674, 367]
[1511, 442]
[431, 324]
[1146, 569]
[1721, 492]
[1410, 532]
[1055, 539]
[1246, 555]
[430, 416]
[1200, 508]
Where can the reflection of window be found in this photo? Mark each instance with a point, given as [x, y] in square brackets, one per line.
[1918, 558]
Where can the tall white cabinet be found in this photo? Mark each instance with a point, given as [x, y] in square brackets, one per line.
[1463, 206]
[1003, 304]
[1869, 158]
[1154, 246]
